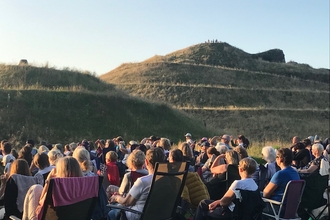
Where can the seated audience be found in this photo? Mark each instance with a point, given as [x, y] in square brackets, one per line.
[83, 157]
[247, 167]
[314, 165]
[41, 162]
[212, 153]
[138, 194]
[301, 155]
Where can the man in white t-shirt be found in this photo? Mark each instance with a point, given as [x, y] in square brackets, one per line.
[137, 195]
[247, 167]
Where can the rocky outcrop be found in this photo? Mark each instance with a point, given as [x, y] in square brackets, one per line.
[275, 55]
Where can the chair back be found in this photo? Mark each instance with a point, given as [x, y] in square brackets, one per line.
[134, 175]
[165, 191]
[71, 198]
[291, 198]
[249, 206]
[232, 175]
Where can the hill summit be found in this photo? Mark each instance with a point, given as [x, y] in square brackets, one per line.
[231, 91]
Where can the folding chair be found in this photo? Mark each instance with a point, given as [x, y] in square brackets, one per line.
[71, 198]
[287, 208]
[312, 197]
[248, 207]
[217, 187]
[165, 191]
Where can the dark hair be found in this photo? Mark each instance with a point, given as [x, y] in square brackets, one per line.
[246, 141]
[7, 147]
[307, 142]
[176, 155]
[20, 166]
[299, 145]
[286, 155]
[26, 153]
[213, 150]
[30, 142]
[14, 153]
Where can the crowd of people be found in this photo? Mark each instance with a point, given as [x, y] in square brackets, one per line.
[127, 168]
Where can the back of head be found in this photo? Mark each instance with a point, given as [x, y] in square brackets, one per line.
[164, 143]
[268, 154]
[307, 142]
[212, 150]
[59, 147]
[20, 166]
[176, 155]
[295, 139]
[41, 160]
[232, 157]
[286, 156]
[186, 150]
[68, 167]
[241, 151]
[155, 155]
[136, 159]
[249, 165]
[83, 157]
[6, 146]
[43, 149]
[30, 142]
[54, 155]
[111, 156]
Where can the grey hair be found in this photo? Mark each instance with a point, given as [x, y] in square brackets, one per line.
[268, 154]
[318, 147]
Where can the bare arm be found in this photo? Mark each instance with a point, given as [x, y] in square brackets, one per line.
[311, 169]
[222, 168]
[269, 190]
[126, 201]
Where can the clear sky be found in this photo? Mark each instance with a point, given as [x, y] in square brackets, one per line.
[98, 36]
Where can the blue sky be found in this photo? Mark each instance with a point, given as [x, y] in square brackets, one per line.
[98, 36]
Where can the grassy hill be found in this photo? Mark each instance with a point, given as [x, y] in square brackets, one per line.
[231, 91]
[64, 106]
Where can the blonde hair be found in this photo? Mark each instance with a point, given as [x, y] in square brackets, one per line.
[186, 150]
[53, 156]
[164, 143]
[111, 156]
[83, 157]
[136, 159]
[249, 165]
[241, 151]
[68, 167]
[232, 157]
[43, 149]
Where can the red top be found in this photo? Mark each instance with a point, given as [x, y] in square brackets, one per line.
[113, 173]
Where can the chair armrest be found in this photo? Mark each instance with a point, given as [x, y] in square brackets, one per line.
[13, 217]
[272, 201]
[124, 208]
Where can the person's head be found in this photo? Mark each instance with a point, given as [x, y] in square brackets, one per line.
[268, 154]
[186, 150]
[111, 156]
[14, 153]
[68, 167]
[284, 156]
[41, 160]
[26, 153]
[205, 145]
[232, 157]
[317, 150]
[175, 155]
[136, 160]
[225, 138]
[153, 156]
[212, 150]
[164, 143]
[20, 166]
[83, 157]
[73, 146]
[248, 165]
[295, 140]
[30, 142]
[188, 136]
[67, 147]
[6, 148]
[59, 147]
[53, 156]
[222, 148]
[307, 142]
[299, 146]
[241, 151]
[43, 149]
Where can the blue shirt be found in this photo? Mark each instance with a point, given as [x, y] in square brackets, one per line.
[281, 178]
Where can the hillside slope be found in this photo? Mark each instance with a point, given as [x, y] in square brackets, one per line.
[234, 92]
[65, 106]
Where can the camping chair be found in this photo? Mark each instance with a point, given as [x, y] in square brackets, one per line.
[71, 198]
[16, 188]
[289, 205]
[218, 186]
[165, 191]
[249, 206]
[312, 197]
